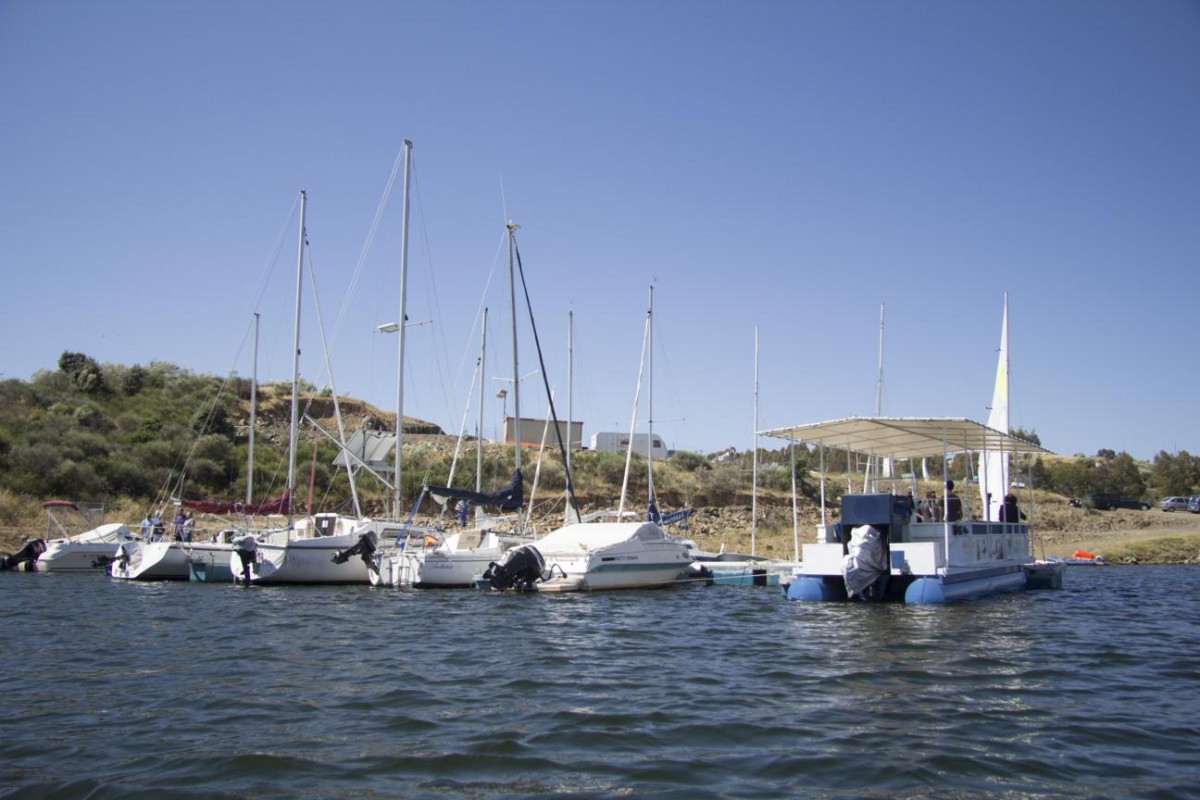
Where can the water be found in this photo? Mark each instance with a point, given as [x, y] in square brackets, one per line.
[125, 690]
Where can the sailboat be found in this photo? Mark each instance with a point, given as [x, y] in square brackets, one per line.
[458, 560]
[590, 556]
[204, 559]
[737, 569]
[880, 550]
[303, 552]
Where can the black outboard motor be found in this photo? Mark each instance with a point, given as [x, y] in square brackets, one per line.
[366, 546]
[520, 569]
[247, 550]
[24, 558]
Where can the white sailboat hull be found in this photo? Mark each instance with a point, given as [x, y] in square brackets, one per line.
[304, 561]
[432, 569]
[209, 562]
[150, 561]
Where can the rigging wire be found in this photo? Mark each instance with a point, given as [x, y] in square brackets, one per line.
[439, 334]
[545, 379]
[372, 231]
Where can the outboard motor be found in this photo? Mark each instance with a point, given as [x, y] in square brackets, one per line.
[118, 565]
[247, 550]
[865, 567]
[103, 562]
[520, 569]
[25, 558]
[366, 546]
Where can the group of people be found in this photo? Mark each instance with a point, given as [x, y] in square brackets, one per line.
[949, 508]
[153, 528]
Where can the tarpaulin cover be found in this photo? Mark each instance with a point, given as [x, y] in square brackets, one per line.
[509, 498]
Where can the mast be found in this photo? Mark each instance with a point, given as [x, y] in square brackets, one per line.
[883, 467]
[291, 476]
[570, 375]
[650, 398]
[571, 512]
[512, 300]
[396, 511]
[879, 374]
[479, 438]
[754, 478]
[253, 409]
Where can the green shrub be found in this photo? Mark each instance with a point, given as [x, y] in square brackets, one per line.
[689, 462]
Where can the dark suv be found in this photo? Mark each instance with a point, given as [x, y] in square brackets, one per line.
[1110, 502]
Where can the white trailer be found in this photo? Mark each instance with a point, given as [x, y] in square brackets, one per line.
[616, 442]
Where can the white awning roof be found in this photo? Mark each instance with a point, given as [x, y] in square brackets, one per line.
[905, 437]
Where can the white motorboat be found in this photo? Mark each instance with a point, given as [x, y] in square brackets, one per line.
[90, 549]
[595, 556]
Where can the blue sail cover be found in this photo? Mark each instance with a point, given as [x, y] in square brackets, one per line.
[510, 498]
[670, 518]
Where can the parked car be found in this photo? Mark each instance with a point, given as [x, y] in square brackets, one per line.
[1103, 501]
[1174, 504]
[1194, 504]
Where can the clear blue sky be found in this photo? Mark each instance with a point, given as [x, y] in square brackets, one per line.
[786, 164]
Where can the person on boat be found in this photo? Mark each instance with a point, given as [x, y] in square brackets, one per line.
[927, 511]
[157, 525]
[189, 527]
[1009, 512]
[147, 528]
[952, 504]
[180, 522]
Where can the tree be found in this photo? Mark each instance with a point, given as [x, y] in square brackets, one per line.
[1175, 475]
[1028, 435]
[1120, 475]
[83, 371]
[135, 380]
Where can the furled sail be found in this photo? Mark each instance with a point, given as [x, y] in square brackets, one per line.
[993, 464]
[279, 505]
[509, 498]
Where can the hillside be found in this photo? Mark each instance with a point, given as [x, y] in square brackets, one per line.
[134, 437]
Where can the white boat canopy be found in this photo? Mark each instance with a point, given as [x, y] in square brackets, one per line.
[905, 437]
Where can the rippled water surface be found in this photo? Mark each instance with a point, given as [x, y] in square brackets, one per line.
[194, 690]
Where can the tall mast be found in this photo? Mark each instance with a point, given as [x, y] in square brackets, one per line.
[253, 409]
[396, 511]
[512, 299]
[879, 373]
[291, 477]
[650, 398]
[479, 437]
[871, 460]
[754, 479]
[570, 392]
